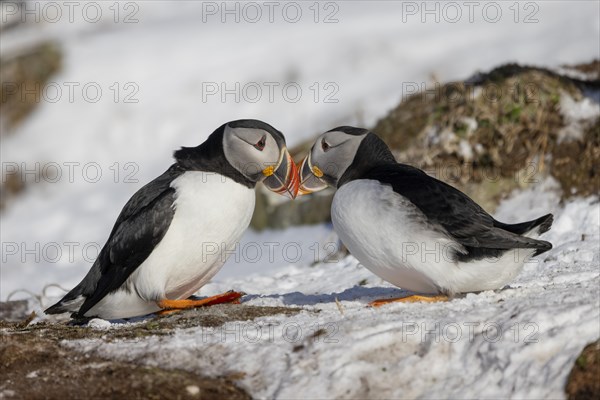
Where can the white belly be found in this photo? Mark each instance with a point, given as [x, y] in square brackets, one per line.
[391, 237]
[211, 214]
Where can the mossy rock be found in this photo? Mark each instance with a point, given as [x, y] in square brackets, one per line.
[23, 77]
[306, 210]
[487, 136]
[584, 379]
[499, 131]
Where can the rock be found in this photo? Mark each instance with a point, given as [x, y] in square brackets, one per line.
[584, 380]
[271, 213]
[488, 135]
[499, 131]
[22, 79]
[14, 310]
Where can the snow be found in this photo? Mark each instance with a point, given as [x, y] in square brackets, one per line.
[193, 390]
[518, 342]
[577, 116]
[98, 323]
[371, 55]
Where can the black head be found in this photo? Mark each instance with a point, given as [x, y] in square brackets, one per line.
[341, 155]
[248, 151]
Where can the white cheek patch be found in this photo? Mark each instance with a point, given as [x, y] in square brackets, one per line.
[334, 162]
[271, 156]
[240, 151]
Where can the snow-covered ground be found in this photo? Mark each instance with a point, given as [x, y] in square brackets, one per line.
[519, 342]
[173, 52]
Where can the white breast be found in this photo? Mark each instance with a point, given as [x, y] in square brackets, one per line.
[391, 237]
[211, 214]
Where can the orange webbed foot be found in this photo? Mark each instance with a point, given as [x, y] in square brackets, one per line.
[410, 299]
[183, 304]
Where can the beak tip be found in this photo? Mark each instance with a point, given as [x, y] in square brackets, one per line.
[285, 180]
[294, 181]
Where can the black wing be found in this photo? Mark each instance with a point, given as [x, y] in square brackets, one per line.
[141, 225]
[464, 220]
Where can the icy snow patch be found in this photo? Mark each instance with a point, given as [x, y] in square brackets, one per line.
[518, 342]
[578, 116]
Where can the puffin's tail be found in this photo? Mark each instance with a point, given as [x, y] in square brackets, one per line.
[536, 226]
[57, 308]
[542, 223]
[70, 303]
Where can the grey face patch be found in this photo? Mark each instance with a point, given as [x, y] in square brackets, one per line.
[333, 152]
[250, 151]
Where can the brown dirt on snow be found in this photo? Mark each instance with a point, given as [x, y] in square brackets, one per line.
[37, 368]
[34, 364]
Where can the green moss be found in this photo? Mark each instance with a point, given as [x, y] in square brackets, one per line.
[581, 361]
[517, 121]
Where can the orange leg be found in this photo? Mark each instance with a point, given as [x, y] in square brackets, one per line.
[409, 299]
[227, 297]
[167, 312]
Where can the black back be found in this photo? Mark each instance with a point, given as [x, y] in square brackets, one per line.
[443, 205]
[145, 219]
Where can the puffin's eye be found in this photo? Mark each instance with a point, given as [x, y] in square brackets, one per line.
[260, 145]
[325, 145]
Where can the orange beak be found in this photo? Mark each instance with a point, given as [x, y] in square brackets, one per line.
[310, 177]
[284, 180]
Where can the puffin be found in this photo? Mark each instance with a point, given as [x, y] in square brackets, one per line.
[411, 229]
[176, 232]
